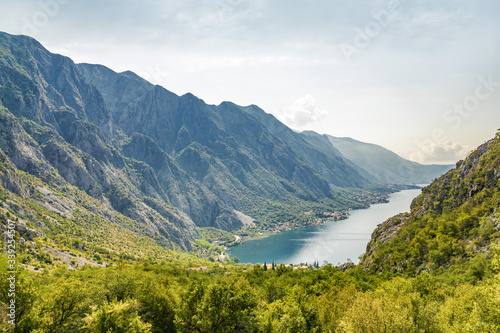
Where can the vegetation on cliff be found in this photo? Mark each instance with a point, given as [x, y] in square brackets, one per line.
[455, 220]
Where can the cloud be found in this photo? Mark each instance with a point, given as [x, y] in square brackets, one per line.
[439, 153]
[302, 112]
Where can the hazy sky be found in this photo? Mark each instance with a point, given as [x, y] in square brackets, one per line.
[421, 78]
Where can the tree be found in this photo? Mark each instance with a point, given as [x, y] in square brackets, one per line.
[333, 304]
[377, 313]
[283, 317]
[116, 317]
[26, 296]
[224, 306]
[120, 284]
[187, 318]
[65, 300]
[157, 305]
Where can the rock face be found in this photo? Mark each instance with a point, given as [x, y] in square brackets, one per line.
[55, 126]
[382, 235]
[227, 141]
[171, 163]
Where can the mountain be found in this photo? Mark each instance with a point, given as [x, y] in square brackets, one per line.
[224, 148]
[454, 220]
[160, 164]
[56, 133]
[246, 130]
[329, 162]
[383, 165]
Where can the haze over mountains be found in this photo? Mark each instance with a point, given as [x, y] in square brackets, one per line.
[170, 163]
[384, 165]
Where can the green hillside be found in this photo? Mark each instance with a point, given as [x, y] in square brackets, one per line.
[454, 220]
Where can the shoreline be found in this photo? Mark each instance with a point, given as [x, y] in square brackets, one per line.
[266, 234]
[288, 251]
[369, 199]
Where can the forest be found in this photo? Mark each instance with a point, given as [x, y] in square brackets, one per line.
[434, 269]
[166, 296]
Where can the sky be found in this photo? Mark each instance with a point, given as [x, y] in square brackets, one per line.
[421, 78]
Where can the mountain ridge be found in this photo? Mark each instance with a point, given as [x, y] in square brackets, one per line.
[384, 165]
[158, 158]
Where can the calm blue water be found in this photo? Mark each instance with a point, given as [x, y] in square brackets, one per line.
[334, 242]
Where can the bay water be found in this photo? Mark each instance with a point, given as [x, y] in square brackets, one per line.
[335, 242]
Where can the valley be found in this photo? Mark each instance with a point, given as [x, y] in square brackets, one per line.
[159, 165]
[118, 199]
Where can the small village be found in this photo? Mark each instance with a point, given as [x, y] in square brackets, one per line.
[322, 219]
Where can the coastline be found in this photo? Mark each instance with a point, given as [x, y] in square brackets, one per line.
[367, 198]
[283, 247]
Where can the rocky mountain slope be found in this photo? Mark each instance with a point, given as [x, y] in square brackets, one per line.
[329, 163]
[239, 138]
[56, 127]
[455, 219]
[167, 163]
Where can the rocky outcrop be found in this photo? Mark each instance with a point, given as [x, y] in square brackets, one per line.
[25, 233]
[383, 234]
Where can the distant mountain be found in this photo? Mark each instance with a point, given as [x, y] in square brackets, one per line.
[384, 165]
